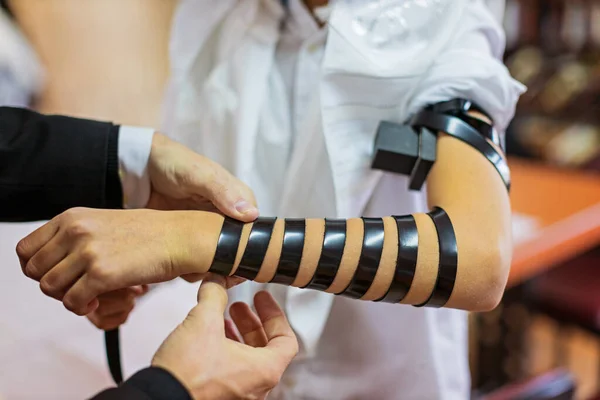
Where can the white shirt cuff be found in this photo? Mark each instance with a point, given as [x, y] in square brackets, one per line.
[134, 152]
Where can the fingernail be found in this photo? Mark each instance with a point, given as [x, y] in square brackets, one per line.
[243, 207]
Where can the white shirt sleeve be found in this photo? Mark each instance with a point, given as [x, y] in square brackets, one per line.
[134, 152]
[471, 67]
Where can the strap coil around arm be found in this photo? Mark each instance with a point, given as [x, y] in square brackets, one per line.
[448, 264]
[227, 247]
[406, 261]
[256, 249]
[291, 251]
[370, 256]
[460, 108]
[334, 241]
[454, 126]
[457, 106]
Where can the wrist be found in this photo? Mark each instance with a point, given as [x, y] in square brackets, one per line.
[213, 390]
[193, 246]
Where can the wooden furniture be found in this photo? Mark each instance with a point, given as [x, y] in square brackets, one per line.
[567, 205]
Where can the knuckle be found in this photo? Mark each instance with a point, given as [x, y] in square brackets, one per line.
[101, 278]
[47, 286]
[77, 228]
[99, 273]
[89, 253]
[32, 268]
[72, 306]
[22, 248]
[73, 212]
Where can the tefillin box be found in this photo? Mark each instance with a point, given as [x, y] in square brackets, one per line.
[405, 150]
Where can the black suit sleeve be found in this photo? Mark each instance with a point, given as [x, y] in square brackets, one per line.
[49, 164]
[148, 384]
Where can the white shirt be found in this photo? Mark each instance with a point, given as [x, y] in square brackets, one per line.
[292, 111]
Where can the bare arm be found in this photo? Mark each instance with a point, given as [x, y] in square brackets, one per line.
[464, 184]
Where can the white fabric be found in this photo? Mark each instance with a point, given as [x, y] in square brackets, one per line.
[292, 110]
[135, 144]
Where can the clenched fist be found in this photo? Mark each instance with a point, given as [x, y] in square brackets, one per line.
[84, 253]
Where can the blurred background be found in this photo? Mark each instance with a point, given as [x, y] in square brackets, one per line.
[108, 60]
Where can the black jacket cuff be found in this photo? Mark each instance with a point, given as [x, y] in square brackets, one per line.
[148, 384]
[114, 191]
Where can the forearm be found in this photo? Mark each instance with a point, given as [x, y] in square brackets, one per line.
[463, 183]
[351, 266]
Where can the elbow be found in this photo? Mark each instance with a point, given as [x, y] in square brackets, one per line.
[486, 267]
[489, 271]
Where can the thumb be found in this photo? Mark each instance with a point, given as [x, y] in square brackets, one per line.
[212, 299]
[229, 195]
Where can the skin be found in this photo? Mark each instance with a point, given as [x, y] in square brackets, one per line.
[81, 254]
[484, 246]
[80, 56]
[206, 354]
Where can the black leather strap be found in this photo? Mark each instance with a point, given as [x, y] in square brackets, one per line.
[258, 242]
[460, 108]
[456, 106]
[334, 241]
[227, 247]
[486, 130]
[113, 354]
[370, 256]
[291, 251]
[448, 265]
[406, 261]
[454, 126]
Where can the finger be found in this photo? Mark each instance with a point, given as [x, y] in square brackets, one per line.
[230, 195]
[33, 242]
[110, 322]
[139, 290]
[81, 296]
[116, 302]
[279, 333]
[60, 278]
[212, 300]
[212, 297]
[46, 258]
[248, 325]
[230, 332]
